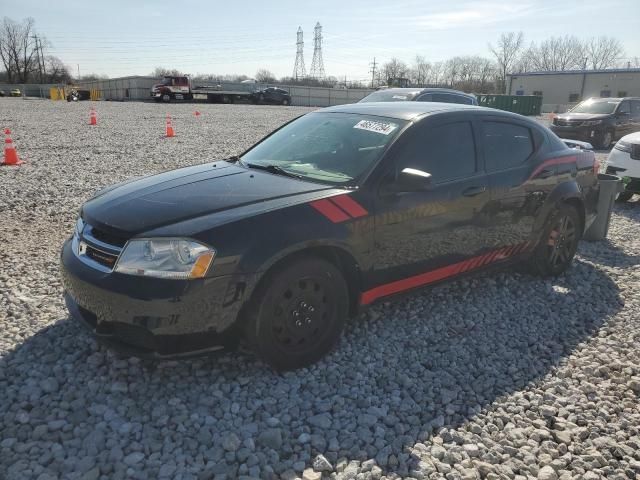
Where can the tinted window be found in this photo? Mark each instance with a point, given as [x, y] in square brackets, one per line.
[427, 97]
[624, 108]
[505, 145]
[635, 108]
[447, 151]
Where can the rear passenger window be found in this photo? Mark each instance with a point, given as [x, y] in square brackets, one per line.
[505, 145]
[447, 152]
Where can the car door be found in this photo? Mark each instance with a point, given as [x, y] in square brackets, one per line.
[635, 116]
[624, 122]
[424, 236]
[510, 149]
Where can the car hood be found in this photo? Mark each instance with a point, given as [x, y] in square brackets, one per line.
[152, 202]
[583, 116]
[632, 138]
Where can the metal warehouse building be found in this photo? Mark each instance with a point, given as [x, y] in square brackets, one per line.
[561, 89]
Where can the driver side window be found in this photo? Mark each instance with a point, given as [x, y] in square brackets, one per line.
[447, 152]
[624, 107]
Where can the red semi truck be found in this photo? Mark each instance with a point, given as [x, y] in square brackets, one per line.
[180, 88]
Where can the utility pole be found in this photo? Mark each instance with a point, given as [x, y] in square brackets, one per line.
[39, 54]
[78, 72]
[373, 71]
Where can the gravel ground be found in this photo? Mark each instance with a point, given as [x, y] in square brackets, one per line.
[501, 376]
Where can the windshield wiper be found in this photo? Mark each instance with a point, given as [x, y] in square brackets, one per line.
[274, 169]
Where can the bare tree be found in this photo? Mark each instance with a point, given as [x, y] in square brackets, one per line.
[436, 73]
[506, 52]
[394, 68]
[265, 76]
[602, 52]
[160, 72]
[55, 71]
[555, 54]
[18, 49]
[420, 70]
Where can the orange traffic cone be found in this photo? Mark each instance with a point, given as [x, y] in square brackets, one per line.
[196, 113]
[10, 154]
[169, 130]
[93, 118]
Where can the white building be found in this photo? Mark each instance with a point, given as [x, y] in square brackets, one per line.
[560, 89]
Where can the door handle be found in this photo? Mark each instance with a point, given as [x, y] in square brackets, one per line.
[473, 191]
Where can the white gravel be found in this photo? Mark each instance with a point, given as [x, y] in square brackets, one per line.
[502, 376]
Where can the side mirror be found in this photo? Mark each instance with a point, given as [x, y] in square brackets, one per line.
[410, 180]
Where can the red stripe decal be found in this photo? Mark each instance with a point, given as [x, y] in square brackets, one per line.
[349, 205]
[552, 161]
[485, 258]
[408, 283]
[329, 210]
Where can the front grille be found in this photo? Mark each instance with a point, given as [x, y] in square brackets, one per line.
[106, 237]
[568, 123]
[635, 151]
[103, 258]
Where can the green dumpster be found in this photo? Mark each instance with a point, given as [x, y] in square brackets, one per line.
[522, 104]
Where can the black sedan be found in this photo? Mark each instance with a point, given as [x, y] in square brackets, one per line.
[332, 212]
[272, 95]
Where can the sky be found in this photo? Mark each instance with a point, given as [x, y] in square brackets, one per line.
[119, 37]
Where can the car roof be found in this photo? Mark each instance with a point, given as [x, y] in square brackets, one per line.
[425, 90]
[405, 110]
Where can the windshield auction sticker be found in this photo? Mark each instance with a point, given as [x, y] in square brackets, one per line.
[377, 127]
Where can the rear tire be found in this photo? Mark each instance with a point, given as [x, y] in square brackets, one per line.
[285, 102]
[298, 313]
[624, 197]
[166, 98]
[559, 242]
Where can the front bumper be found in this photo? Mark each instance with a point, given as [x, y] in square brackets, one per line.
[149, 317]
[591, 134]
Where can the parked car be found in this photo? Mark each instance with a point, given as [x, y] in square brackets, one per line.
[624, 161]
[599, 121]
[273, 95]
[15, 92]
[444, 95]
[3, 93]
[332, 212]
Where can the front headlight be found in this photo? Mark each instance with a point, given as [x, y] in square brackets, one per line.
[590, 123]
[79, 226]
[172, 258]
[622, 146]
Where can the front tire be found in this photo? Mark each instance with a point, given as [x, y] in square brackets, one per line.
[298, 313]
[166, 98]
[559, 242]
[285, 102]
[607, 139]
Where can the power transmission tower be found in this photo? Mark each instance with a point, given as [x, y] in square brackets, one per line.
[373, 71]
[317, 65]
[299, 72]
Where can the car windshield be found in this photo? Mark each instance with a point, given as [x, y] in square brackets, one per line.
[332, 148]
[595, 106]
[390, 96]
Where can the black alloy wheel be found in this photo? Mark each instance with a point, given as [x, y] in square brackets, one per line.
[559, 242]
